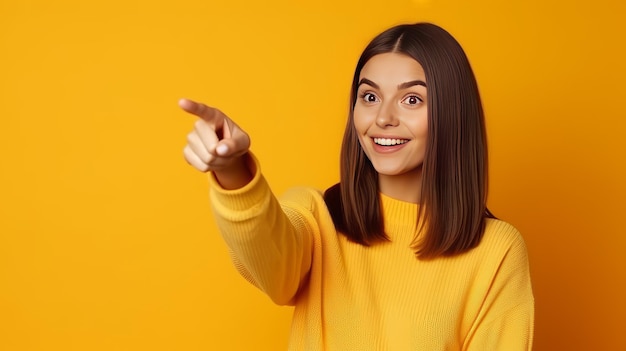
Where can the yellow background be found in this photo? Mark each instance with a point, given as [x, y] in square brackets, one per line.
[106, 241]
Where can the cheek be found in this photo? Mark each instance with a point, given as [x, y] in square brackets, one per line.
[360, 121]
[424, 130]
[360, 129]
[420, 126]
[418, 129]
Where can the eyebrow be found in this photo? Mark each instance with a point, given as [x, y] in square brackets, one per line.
[411, 83]
[404, 85]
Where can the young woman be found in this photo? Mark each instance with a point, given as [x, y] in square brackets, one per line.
[402, 254]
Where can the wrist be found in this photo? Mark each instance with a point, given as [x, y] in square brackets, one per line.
[239, 173]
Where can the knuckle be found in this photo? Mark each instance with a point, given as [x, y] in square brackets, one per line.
[187, 156]
[190, 138]
[206, 159]
[199, 124]
[200, 108]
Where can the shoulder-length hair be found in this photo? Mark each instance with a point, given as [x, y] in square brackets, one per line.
[452, 208]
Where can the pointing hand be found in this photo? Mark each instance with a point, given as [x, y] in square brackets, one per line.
[217, 144]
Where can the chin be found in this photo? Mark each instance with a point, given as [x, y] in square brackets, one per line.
[391, 174]
[395, 170]
[388, 171]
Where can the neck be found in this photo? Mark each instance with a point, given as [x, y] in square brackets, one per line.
[404, 187]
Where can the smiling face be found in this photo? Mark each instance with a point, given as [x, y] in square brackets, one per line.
[391, 117]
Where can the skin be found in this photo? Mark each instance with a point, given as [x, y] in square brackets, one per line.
[217, 144]
[391, 104]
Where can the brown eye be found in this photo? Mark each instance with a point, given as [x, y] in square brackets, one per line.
[369, 97]
[412, 100]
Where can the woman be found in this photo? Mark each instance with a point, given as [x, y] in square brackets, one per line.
[402, 254]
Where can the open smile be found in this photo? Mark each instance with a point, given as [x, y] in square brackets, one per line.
[389, 142]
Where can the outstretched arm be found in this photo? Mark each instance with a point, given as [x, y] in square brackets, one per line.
[270, 245]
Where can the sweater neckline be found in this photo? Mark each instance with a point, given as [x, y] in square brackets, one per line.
[400, 218]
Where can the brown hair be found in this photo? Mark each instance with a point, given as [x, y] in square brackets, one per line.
[454, 179]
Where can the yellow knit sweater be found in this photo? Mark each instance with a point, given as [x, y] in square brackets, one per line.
[352, 297]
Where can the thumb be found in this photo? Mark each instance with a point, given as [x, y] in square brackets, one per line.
[235, 142]
[222, 148]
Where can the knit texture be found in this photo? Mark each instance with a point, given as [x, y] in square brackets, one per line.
[353, 297]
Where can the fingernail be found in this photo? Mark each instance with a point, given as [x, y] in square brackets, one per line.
[221, 149]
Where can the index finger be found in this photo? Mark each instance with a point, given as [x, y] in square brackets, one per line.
[201, 110]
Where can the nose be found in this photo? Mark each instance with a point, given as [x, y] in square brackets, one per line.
[387, 116]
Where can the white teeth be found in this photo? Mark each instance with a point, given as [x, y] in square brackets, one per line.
[389, 142]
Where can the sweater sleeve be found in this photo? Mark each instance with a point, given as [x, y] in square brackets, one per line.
[506, 318]
[270, 245]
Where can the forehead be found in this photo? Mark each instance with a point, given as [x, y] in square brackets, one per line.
[393, 66]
